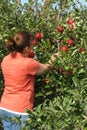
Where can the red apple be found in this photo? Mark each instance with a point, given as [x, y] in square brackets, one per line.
[64, 48]
[39, 36]
[60, 29]
[70, 21]
[35, 42]
[31, 54]
[60, 70]
[82, 50]
[69, 72]
[47, 80]
[70, 41]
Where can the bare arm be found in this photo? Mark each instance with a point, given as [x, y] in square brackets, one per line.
[46, 67]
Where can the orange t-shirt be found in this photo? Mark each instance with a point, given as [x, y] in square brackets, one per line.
[19, 75]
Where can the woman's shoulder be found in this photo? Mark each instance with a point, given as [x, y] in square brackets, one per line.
[5, 57]
[32, 61]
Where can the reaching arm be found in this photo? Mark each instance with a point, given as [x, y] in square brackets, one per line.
[45, 67]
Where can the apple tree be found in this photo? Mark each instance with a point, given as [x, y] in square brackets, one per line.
[60, 94]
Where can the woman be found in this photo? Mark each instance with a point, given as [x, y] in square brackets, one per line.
[19, 73]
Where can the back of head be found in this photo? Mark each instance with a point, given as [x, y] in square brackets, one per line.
[19, 41]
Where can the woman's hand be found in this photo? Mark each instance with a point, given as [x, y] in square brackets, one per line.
[53, 57]
[46, 67]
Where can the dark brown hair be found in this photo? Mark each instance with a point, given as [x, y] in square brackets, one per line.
[19, 41]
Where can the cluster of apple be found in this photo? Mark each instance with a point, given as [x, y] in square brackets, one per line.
[63, 48]
[70, 41]
[38, 36]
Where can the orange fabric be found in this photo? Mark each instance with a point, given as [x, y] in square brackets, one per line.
[19, 75]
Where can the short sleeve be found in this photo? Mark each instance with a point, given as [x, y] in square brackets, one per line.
[32, 66]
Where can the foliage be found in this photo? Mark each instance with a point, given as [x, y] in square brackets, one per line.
[60, 100]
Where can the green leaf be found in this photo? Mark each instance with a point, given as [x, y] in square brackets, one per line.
[75, 81]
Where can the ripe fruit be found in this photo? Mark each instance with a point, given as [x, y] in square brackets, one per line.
[47, 80]
[70, 21]
[31, 54]
[70, 41]
[35, 42]
[60, 29]
[69, 72]
[64, 48]
[82, 50]
[60, 70]
[39, 36]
